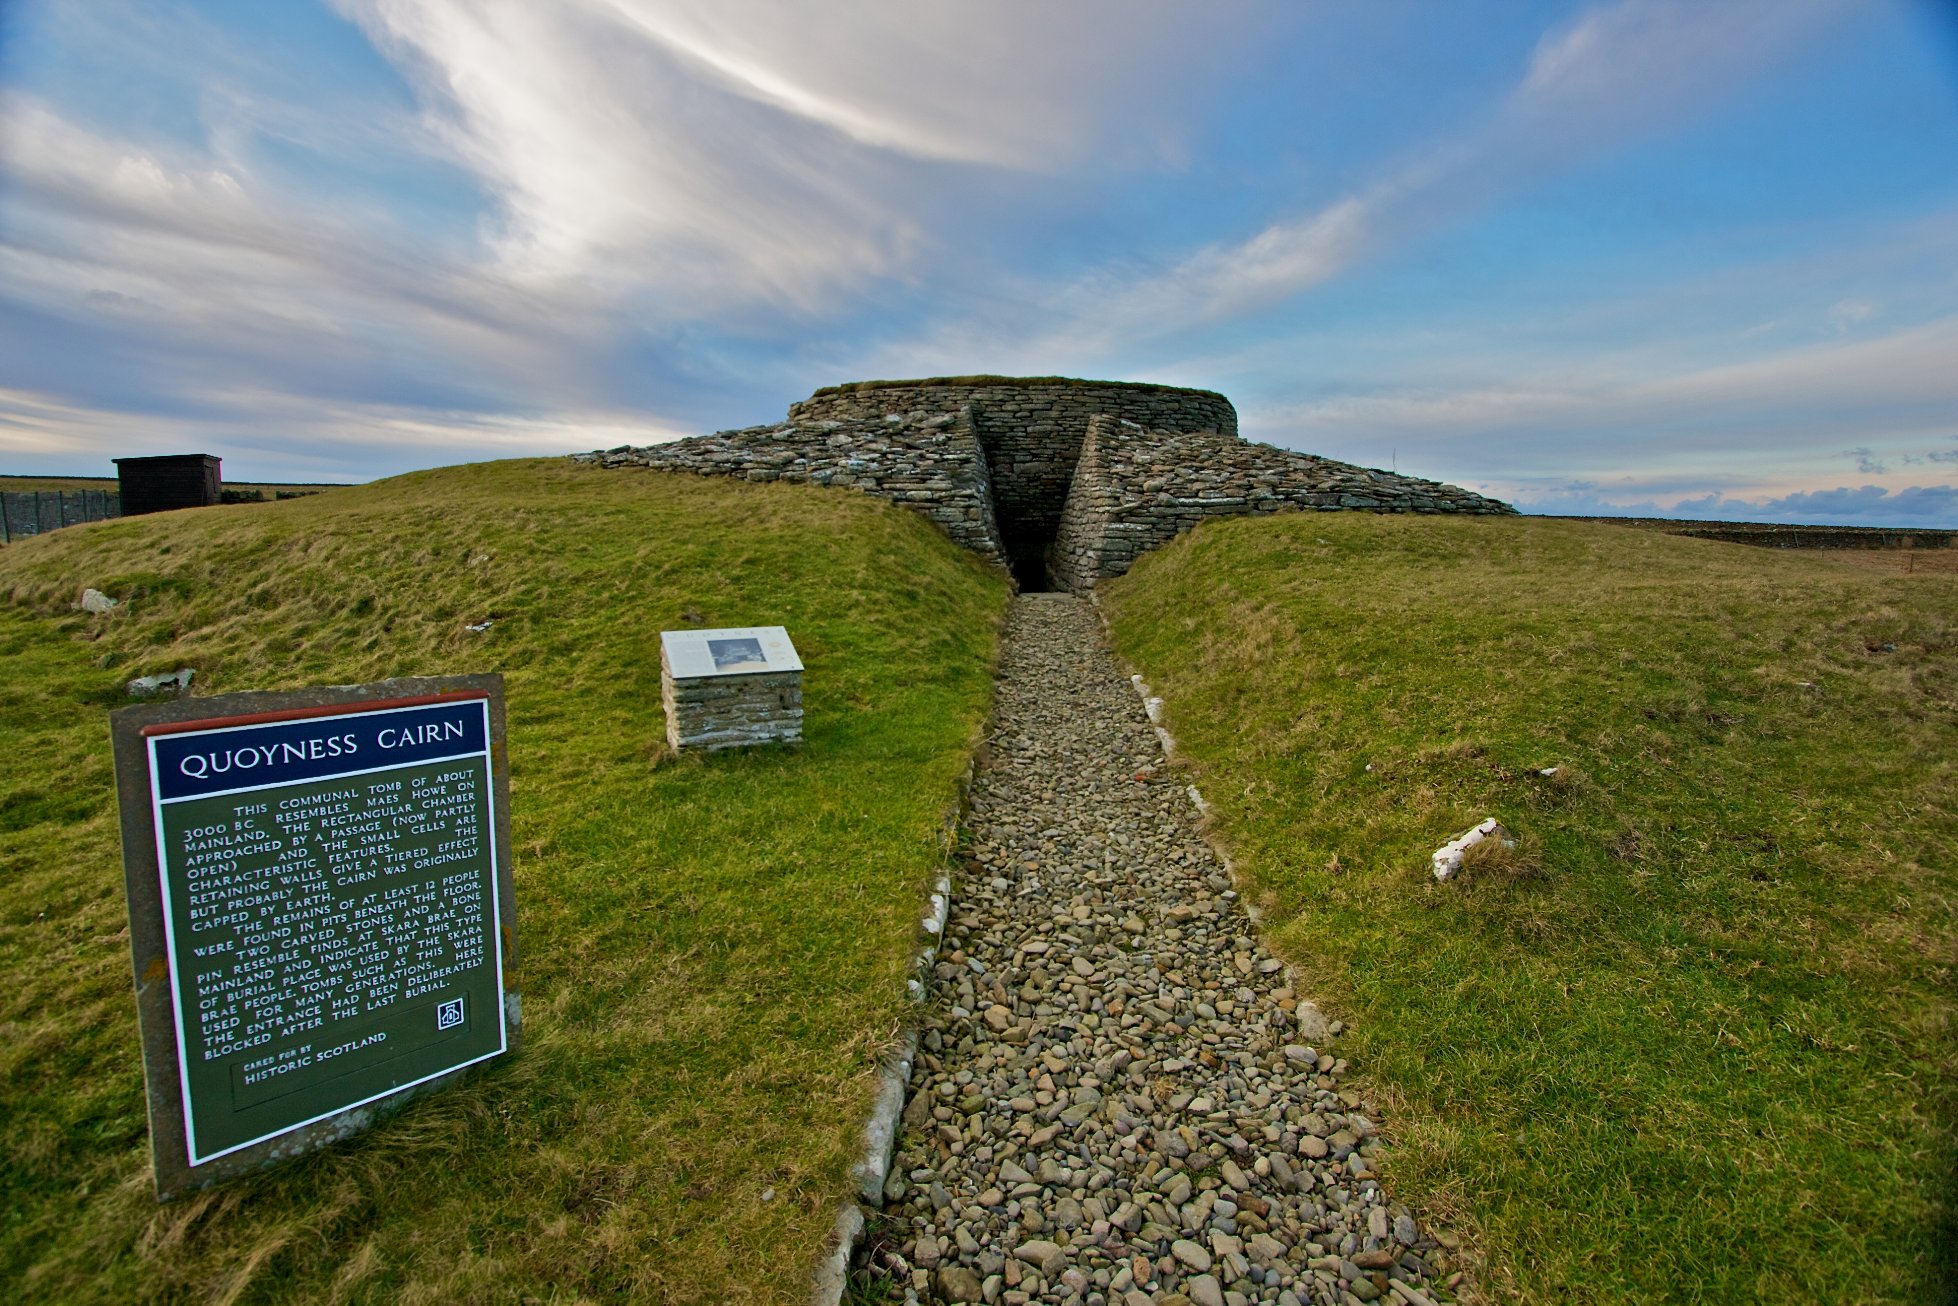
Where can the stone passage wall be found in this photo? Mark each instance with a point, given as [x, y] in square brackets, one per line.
[1031, 430]
[1135, 490]
[930, 461]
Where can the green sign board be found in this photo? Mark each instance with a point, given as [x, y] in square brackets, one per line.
[320, 910]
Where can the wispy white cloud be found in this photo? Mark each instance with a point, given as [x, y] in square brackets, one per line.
[652, 172]
[1922, 506]
[278, 437]
[1808, 402]
[713, 158]
[1621, 429]
[738, 186]
[207, 241]
[1618, 65]
[219, 279]
[1225, 281]
[1618, 71]
[1008, 84]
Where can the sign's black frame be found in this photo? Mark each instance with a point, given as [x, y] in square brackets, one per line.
[131, 729]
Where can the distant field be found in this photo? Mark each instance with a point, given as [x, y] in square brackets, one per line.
[1692, 1040]
[28, 484]
[713, 951]
[1784, 535]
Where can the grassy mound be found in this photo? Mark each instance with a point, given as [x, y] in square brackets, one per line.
[858, 387]
[1691, 1040]
[713, 951]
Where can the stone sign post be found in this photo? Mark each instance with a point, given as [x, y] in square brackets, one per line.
[320, 910]
[729, 688]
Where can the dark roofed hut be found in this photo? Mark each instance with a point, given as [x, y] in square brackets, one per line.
[163, 482]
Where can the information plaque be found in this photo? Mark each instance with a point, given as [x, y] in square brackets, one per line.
[740, 651]
[321, 916]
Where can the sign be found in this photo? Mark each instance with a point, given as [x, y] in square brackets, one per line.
[741, 651]
[320, 904]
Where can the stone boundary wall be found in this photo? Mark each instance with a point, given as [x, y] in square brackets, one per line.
[1775, 535]
[1135, 490]
[928, 461]
[1031, 430]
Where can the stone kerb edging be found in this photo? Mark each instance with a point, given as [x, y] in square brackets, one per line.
[894, 1072]
[1152, 705]
[880, 1130]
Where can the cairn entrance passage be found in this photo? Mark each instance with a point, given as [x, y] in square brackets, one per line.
[1027, 530]
[1031, 432]
[1118, 1097]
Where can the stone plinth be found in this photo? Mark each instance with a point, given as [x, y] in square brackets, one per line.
[730, 688]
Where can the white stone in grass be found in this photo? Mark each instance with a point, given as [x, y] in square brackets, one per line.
[97, 602]
[1448, 858]
[177, 682]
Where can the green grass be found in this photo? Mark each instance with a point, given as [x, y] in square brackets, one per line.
[1692, 1040]
[713, 951]
[854, 387]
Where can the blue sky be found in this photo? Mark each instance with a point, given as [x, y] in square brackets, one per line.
[1678, 256]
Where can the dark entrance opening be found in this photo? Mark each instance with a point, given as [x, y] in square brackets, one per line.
[1028, 539]
[1031, 456]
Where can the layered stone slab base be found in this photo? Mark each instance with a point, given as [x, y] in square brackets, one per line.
[716, 712]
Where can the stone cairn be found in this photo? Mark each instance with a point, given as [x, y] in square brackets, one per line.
[1066, 481]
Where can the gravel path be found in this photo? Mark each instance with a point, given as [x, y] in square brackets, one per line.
[1117, 1098]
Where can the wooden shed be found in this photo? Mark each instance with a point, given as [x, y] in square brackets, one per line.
[165, 481]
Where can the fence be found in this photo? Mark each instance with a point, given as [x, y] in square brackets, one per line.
[36, 512]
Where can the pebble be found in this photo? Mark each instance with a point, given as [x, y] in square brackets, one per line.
[956, 1283]
[1117, 1097]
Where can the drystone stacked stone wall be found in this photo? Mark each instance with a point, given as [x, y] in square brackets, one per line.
[926, 460]
[1031, 431]
[1136, 489]
[716, 712]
